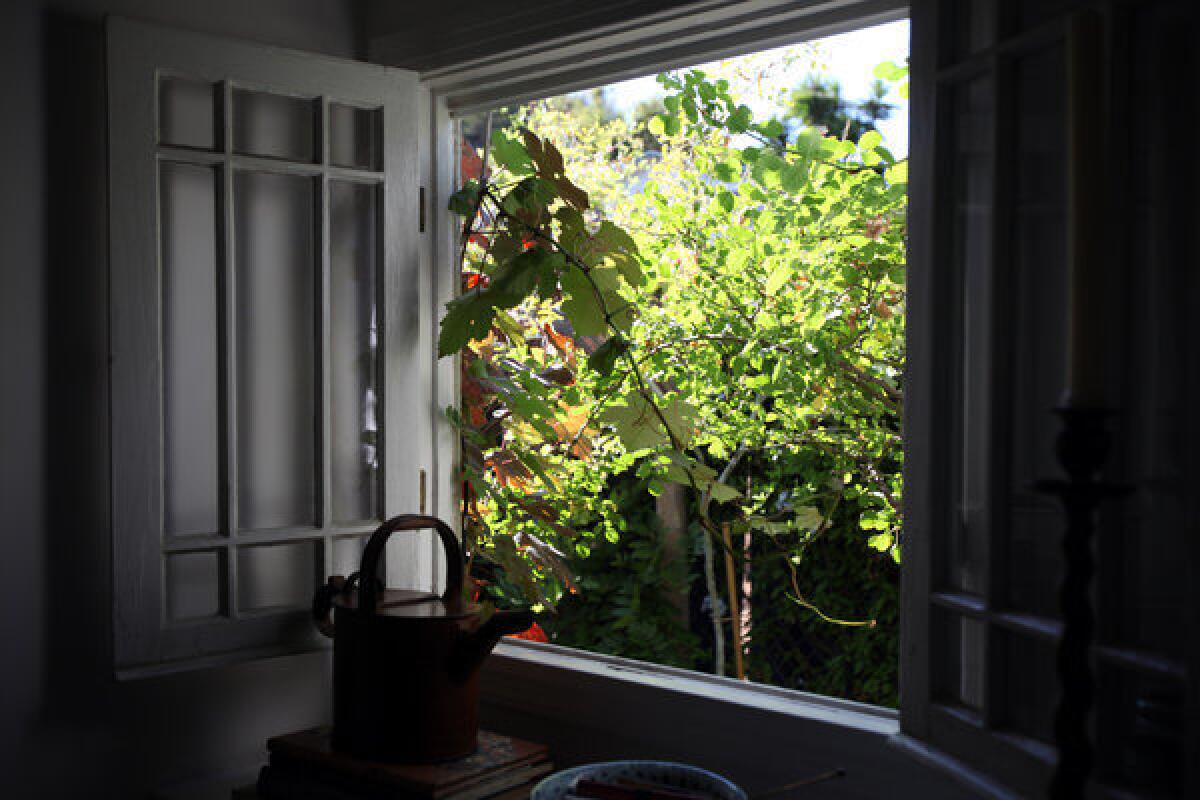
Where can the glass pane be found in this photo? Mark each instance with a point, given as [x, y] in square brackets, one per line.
[354, 136]
[187, 113]
[276, 354]
[353, 258]
[1030, 686]
[961, 643]
[188, 222]
[274, 125]
[194, 585]
[1034, 559]
[974, 24]
[1141, 555]
[966, 557]
[347, 555]
[277, 575]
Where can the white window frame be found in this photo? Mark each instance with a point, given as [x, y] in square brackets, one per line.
[145, 642]
[855, 733]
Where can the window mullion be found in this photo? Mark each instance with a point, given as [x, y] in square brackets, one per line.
[324, 344]
[1000, 351]
[228, 354]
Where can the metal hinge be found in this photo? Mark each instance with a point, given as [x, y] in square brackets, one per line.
[421, 213]
[421, 492]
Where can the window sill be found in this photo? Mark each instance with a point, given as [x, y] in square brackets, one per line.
[552, 666]
[591, 707]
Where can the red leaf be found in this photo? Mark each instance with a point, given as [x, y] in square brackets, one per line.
[534, 634]
[470, 164]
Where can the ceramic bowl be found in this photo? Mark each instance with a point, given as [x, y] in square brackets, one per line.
[682, 776]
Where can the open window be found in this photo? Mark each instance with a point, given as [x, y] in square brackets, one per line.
[270, 328]
[987, 292]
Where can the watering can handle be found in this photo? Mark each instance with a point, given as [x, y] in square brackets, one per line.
[367, 589]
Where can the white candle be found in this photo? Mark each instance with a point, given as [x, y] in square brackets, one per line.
[1087, 277]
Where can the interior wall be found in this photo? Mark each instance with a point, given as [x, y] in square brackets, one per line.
[67, 727]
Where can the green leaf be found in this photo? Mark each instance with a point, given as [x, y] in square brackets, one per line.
[772, 129]
[511, 154]
[881, 541]
[469, 317]
[793, 177]
[636, 424]
[682, 419]
[629, 267]
[778, 277]
[463, 201]
[725, 200]
[739, 121]
[605, 357]
[656, 125]
[870, 140]
[889, 71]
[581, 305]
[808, 517]
[724, 493]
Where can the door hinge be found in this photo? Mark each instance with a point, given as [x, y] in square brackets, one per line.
[421, 212]
[421, 493]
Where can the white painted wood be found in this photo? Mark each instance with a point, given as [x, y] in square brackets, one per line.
[593, 707]
[693, 34]
[137, 54]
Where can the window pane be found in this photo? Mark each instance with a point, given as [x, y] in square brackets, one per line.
[1034, 556]
[274, 125]
[966, 559]
[1038, 340]
[347, 555]
[194, 585]
[275, 350]
[190, 363]
[277, 576]
[187, 115]
[958, 679]
[354, 136]
[1030, 685]
[353, 258]
[974, 24]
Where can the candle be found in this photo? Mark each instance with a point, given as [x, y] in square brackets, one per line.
[1086, 355]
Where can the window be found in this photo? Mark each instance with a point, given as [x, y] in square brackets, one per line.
[269, 337]
[982, 622]
[979, 624]
[639, 587]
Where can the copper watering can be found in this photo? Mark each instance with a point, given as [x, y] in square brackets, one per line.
[406, 662]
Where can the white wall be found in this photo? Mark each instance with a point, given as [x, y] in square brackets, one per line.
[67, 728]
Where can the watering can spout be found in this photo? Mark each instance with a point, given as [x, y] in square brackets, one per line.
[473, 648]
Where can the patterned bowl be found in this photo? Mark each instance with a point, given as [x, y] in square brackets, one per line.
[680, 776]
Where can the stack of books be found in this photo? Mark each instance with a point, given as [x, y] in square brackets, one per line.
[304, 766]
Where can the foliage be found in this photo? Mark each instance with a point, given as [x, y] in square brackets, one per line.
[734, 324]
[629, 590]
[819, 103]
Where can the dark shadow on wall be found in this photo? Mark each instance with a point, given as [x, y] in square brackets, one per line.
[75, 584]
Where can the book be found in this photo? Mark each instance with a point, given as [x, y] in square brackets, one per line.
[498, 764]
[285, 783]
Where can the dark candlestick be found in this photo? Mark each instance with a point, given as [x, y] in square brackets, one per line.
[1082, 447]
